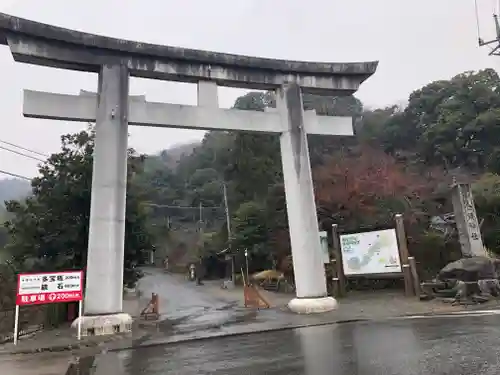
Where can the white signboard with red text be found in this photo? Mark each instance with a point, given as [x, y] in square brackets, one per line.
[53, 287]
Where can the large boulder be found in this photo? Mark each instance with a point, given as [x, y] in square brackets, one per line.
[471, 269]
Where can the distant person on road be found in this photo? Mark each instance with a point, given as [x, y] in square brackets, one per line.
[199, 271]
[165, 263]
[192, 272]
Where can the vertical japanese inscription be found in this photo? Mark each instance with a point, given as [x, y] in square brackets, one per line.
[470, 213]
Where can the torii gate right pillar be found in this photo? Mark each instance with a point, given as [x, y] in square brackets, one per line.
[309, 271]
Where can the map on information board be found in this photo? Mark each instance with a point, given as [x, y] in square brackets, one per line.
[370, 252]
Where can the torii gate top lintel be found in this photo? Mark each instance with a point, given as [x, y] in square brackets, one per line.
[47, 45]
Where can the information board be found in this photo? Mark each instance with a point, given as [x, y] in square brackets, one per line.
[368, 253]
[53, 287]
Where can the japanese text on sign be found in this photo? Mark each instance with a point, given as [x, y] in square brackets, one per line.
[40, 288]
[374, 252]
[470, 215]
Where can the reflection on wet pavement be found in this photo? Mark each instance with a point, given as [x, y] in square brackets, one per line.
[451, 346]
[215, 320]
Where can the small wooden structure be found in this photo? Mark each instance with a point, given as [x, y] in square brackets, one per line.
[252, 296]
[151, 311]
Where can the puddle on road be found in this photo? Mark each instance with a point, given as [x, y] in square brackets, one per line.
[101, 364]
[81, 366]
[201, 320]
[229, 306]
[247, 317]
[214, 320]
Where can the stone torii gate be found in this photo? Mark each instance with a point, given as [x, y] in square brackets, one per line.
[115, 60]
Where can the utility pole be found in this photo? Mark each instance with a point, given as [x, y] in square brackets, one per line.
[493, 43]
[226, 207]
[228, 222]
[201, 228]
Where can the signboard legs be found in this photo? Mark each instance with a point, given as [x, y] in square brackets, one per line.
[403, 253]
[16, 322]
[338, 261]
[80, 313]
[414, 274]
[16, 325]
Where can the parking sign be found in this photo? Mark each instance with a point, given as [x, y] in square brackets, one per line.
[53, 287]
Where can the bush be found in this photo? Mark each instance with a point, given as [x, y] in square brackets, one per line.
[432, 251]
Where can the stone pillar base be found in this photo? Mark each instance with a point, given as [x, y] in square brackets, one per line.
[312, 305]
[100, 325]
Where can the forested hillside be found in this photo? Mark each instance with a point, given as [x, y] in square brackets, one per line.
[400, 161]
[10, 188]
[13, 188]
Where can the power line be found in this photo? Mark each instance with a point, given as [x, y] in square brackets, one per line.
[182, 207]
[477, 21]
[23, 148]
[15, 175]
[21, 154]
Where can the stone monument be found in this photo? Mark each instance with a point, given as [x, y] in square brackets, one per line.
[469, 232]
[114, 61]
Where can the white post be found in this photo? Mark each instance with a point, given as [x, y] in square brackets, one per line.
[246, 261]
[16, 324]
[309, 270]
[80, 313]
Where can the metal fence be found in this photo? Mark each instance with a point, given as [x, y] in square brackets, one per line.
[31, 319]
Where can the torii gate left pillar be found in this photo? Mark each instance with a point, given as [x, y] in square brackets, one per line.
[105, 256]
[115, 60]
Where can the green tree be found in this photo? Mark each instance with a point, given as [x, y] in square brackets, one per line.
[454, 123]
[251, 233]
[486, 192]
[250, 226]
[3, 231]
[50, 228]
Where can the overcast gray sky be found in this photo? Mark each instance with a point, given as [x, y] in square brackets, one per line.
[416, 41]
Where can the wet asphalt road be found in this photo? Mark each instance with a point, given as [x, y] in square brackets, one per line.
[444, 346]
[178, 297]
[186, 304]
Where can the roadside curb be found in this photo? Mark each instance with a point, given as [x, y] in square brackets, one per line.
[208, 337]
[181, 340]
[65, 347]
[120, 343]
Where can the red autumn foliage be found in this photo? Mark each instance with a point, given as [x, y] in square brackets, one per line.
[366, 187]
